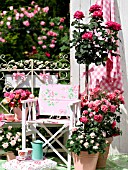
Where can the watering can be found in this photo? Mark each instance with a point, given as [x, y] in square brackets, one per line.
[37, 153]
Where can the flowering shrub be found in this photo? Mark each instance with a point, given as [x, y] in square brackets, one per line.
[31, 32]
[13, 98]
[100, 115]
[11, 139]
[96, 39]
[104, 109]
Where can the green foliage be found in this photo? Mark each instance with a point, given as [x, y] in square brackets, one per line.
[23, 34]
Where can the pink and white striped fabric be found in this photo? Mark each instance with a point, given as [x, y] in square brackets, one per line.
[108, 77]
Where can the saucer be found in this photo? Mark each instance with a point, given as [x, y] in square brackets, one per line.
[20, 158]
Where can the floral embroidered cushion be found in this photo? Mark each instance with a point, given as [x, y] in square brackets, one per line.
[54, 99]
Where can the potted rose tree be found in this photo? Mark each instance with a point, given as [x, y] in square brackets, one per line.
[104, 109]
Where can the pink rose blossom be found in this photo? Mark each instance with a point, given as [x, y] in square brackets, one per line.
[104, 108]
[52, 45]
[22, 9]
[85, 112]
[52, 24]
[83, 120]
[62, 19]
[78, 15]
[61, 27]
[13, 142]
[44, 46]
[26, 23]
[42, 23]
[46, 9]
[9, 18]
[11, 8]
[112, 108]
[91, 114]
[40, 42]
[98, 118]
[33, 2]
[21, 15]
[44, 37]
[5, 145]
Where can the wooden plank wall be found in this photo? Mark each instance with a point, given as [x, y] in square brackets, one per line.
[119, 144]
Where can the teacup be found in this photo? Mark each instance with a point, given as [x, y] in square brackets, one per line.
[29, 152]
[22, 154]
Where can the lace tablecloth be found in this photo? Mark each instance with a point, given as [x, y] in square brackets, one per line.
[15, 164]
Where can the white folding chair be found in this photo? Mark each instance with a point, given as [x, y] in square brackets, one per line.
[59, 107]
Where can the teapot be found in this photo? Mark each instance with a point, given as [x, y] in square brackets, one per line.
[37, 153]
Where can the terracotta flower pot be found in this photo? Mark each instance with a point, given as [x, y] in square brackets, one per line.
[85, 161]
[10, 155]
[102, 159]
[18, 113]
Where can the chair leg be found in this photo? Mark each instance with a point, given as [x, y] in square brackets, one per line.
[69, 162]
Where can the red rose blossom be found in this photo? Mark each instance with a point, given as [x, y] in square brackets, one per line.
[113, 124]
[98, 14]
[78, 15]
[113, 25]
[94, 8]
[87, 35]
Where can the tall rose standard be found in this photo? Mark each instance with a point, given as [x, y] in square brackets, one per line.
[96, 39]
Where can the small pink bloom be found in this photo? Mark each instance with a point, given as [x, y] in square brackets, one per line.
[11, 8]
[52, 45]
[40, 42]
[44, 37]
[62, 19]
[46, 9]
[33, 2]
[9, 18]
[61, 27]
[26, 23]
[52, 24]
[44, 46]
[42, 23]
[21, 15]
[85, 112]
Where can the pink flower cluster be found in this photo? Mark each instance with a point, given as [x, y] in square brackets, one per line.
[101, 106]
[113, 25]
[13, 98]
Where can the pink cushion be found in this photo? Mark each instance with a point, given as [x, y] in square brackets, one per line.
[55, 98]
